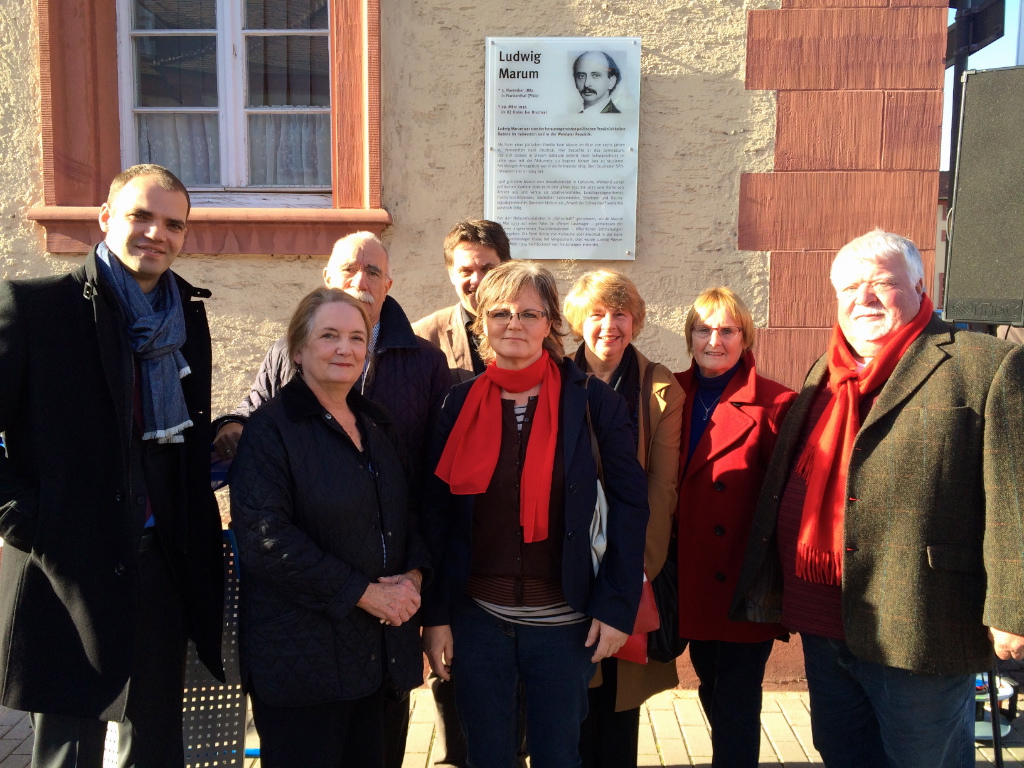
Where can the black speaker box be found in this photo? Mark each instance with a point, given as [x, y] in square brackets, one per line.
[985, 251]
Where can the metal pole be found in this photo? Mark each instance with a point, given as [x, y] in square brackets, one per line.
[963, 42]
[997, 720]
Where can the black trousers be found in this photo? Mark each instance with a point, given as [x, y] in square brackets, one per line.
[449, 740]
[609, 739]
[150, 735]
[730, 677]
[339, 734]
[396, 723]
[450, 748]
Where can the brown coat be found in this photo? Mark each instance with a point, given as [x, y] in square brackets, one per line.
[445, 329]
[658, 453]
[934, 524]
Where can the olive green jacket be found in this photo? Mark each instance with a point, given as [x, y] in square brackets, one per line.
[934, 525]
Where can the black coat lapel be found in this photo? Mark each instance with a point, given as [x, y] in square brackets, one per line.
[112, 340]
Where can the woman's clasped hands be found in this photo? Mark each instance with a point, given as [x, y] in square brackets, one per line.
[393, 599]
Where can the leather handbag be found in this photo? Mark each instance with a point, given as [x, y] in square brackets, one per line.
[647, 620]
[664, 643]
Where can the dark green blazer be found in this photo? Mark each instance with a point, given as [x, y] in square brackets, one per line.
[934, 529]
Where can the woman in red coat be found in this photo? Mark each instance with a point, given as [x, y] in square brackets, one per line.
[731, 418]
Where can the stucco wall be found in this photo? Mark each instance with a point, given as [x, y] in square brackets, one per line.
[699, 129]
[21, 182]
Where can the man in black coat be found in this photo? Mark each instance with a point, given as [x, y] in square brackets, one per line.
[406, 374]
[112, 543]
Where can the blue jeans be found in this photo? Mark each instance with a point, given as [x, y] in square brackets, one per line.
[490, 658]
[867, 715]
[730, 691]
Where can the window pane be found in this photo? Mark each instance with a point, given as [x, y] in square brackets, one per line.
[175, 14]
[187, 144]
[176, 71]
[288, 71]
[290, 150]
[286, 14]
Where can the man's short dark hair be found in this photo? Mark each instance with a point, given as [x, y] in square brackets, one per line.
[164, 179]
[481, 232]
[613, 70]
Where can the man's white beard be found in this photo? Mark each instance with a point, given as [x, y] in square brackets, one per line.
[875, 329]
[364, 296]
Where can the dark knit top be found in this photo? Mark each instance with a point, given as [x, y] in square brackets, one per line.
[705, 400]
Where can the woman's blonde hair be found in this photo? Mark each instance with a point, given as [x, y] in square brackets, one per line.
[608, 288]
[301, 324]
[715, 300]
[503, 285]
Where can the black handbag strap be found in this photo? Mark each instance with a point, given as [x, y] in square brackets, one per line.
[594, 449]
[646, 387]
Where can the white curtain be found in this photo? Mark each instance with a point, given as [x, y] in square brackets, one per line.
[290, 150]
[187, 144]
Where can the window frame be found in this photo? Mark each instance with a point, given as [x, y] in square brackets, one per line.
[81, 140]
[233, 135]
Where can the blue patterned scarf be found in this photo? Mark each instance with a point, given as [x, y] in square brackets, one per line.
[156, 331]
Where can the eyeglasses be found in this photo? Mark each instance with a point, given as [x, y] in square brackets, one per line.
[527, 317]
[726, 332]
[373, 272]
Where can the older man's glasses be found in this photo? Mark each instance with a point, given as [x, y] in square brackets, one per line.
[527, 317]
[726, 332]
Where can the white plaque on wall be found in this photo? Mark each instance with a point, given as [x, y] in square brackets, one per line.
[561, 132]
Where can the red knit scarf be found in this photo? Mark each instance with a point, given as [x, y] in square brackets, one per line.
[826, 458]
[471, 453]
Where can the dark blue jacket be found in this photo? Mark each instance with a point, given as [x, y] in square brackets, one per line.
[614, 595]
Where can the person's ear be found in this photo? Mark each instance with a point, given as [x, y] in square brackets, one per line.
[104, 217]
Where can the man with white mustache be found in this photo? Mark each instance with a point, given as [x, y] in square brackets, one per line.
[405, 374]
[888, 529]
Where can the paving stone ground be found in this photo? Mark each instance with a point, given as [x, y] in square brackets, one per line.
[673, 732]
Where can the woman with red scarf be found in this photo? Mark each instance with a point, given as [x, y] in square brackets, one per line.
[731, 419]
[507, 517]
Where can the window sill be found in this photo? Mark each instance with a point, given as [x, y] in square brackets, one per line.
[292, 231]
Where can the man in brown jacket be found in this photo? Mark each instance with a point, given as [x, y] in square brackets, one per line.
[890, 526]
[472, 249]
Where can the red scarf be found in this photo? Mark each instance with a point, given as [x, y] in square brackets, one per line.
[826, 458]
[471, 453]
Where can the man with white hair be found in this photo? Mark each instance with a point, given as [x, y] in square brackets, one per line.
[405, 374]
[889, 528]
